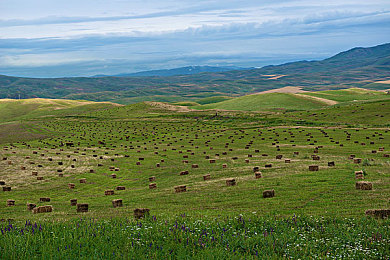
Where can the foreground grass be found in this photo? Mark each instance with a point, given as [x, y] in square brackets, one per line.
[183, 238]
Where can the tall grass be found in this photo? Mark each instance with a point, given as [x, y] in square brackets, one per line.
[184, 238]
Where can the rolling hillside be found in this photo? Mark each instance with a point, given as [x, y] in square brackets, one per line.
[297, 101]
[268, 101]
[350, 95]
[189, 70]
[354, 68]
[13, 110]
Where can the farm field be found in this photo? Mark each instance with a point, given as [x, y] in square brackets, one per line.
[206, 170]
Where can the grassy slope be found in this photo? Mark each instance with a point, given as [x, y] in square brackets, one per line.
[374, 113]
[267, 101]
[211, 100]
[352, 94]
[12, 109]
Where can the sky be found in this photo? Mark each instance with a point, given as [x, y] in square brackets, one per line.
[56, 38]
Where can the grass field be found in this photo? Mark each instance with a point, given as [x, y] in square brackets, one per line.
[350, 95]
[13, 109]
[269, 101]
[127, 145]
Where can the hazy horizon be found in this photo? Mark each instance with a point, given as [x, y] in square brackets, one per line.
[51, 39]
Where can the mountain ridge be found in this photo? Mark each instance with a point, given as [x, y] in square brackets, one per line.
[356, 67]
[187, 70]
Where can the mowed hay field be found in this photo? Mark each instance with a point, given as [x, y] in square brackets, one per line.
[135, 150]
[150, 149]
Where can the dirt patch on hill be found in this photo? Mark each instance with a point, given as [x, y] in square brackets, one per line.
[326, 101]
[169, 107]
[290, 90]
[274, 76]
[383, 81]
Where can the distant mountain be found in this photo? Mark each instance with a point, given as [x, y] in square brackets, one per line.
[189, 70]
[347, 60]
[357, 67]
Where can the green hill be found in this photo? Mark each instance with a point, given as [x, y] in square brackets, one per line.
[374, 113]
[348, 95]
[13, 109]
[269, 101]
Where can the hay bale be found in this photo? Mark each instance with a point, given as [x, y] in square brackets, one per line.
[120, 188]
[117, 203]
[82, 207]
[313, 168]
[212, 160]
[23, 168]
[268, 193]
[194, 166]
[6, 188]
[378, 213]
[71, 185]
[152, 178]
[73, 202]
[44, 199]
[184, 173]
[152, 186]
[287, 161]
[315, 157]
[268, 165]
[108, 192]
[363, 185]
[359, 175]
[113, 176]
[31, 206]
[10, 203]
[180, 188]
[231, 182]
[2, 182]
[246, 160]
[141, 213]
[224, 165]
[279, 156]
[40, 178]
[206, 177]
[331, 164]
[357, 160]
[158, 165]
[258, 175]
[42, 209]
[60, 175]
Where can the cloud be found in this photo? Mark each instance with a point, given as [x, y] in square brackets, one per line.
[245, 34]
